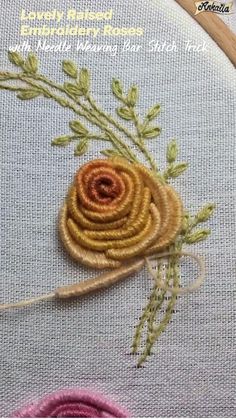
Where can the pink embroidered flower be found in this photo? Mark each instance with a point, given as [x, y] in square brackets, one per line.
[72, 404]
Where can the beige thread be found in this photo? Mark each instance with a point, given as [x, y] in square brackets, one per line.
[177, 290]
[112, 201]
[26, 303]
[110, 278]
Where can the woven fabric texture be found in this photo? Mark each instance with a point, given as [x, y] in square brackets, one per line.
[86, 343]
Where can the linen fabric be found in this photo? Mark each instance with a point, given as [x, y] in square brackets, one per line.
[86, 343]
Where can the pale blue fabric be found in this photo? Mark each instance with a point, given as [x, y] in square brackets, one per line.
[86, 343]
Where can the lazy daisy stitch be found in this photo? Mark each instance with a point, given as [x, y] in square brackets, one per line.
[119, 214]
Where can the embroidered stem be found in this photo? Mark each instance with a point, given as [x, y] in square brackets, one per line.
[156, 301]
[141, 141]
[155, 297]
[137, 142]
[156, 331]
[105, 280]
[84, 287]
[13, 88]
[160, 297]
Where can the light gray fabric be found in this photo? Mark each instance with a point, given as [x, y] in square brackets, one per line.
[86, 343]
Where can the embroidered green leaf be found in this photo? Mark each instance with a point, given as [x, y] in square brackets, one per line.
[61, 141]
[73, 89]
[172, 151]
[153, 112]
[111, 153]
[28, 94]
[205, 213]
[185, 223]
[125, 113]
[117, 88]
[175, 170]
[84, 80]
[5, 75]
[63, 102]
[31, 64]
[78, 128]
[151, 132]
[132, 96]
[15, 58]
[81, 147]
[70, 68]
[197, 236]
[46, 93]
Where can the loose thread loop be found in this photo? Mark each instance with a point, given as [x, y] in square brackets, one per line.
[178, 290]
[109, 278]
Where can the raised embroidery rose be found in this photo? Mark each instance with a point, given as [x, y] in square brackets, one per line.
[116, 211]
[72, 404]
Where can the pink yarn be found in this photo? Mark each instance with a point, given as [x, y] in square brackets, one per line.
[72, 404]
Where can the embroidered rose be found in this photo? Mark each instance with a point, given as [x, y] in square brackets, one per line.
[72, 404]
[116, 211]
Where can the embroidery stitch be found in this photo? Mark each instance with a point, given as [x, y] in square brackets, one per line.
[118, 214]
[110, 191]
[72, 403]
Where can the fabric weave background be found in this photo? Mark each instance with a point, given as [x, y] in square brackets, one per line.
[86, 343]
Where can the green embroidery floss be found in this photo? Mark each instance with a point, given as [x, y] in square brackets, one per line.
[98, 231]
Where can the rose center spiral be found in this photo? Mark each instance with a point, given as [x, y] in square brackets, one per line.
[104, 188]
